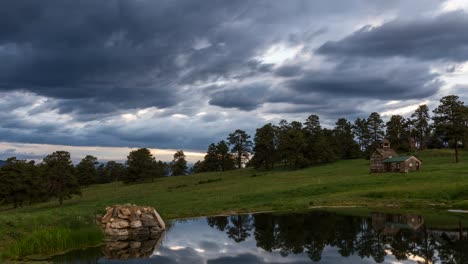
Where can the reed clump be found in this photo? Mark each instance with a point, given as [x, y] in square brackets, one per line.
[52, 240]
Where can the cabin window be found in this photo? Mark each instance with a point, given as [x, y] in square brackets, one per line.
[411, 164]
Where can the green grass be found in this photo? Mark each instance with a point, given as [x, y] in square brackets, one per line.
[52, 240]
[440, 185]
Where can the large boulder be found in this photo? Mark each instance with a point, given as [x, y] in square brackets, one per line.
[131, 222]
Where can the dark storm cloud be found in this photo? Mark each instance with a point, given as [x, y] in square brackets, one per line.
[288, 70]
[444, 37]
[382, 79]
[360, 84]
[246, 97]
[70, 70]
[105, 56]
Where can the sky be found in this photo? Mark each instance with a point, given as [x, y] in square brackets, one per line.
[105, 77]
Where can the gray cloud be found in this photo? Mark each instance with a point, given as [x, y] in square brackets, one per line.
[443, 37]
[366, 79]
[246, 97]
[80, 72]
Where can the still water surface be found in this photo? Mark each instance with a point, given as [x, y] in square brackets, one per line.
[299, 238]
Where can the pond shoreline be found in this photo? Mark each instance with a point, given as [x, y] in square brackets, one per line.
[341, 221]
[361, 211]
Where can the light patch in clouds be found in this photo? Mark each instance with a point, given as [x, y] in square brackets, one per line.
[201, 43]
[24, 150]
[393, 102]
[453, 5]
[279, 53]
[405, 110]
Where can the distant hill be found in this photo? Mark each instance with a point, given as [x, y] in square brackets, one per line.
[2, 162]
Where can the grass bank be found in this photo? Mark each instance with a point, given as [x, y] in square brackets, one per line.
[440, 185]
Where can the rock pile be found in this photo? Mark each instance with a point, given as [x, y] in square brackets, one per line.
[132, 249]
[131, 222]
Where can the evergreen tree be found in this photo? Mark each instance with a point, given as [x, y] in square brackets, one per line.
[346, 147]
[312, 125]
[376, 127]
[59, 171]
[141, 165]
[179, 164]
[450, 121]
[422, 127]
[197, 167]
[115, 171]
[329, 146]
[317, 147]
[16, 182]
[362, 133]
[102, 175]
[86, 170]
[266, 143]
[396, 131]
[211, 162]
[241, 146]
[225, 159]
[292, 144]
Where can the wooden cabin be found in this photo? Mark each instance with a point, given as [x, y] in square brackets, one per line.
[402, 164]
[385, 159]
[380, 154]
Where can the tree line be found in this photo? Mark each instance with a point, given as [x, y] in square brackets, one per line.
[287, 144]
[299, 144]
[25, 182]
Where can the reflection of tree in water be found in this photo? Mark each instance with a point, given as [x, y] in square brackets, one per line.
[238, 227]
[219, 223]
[369, 242]
[373, 237]
[454, 252]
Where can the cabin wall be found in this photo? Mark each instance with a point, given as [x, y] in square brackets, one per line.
[376, 163]
[412, 165]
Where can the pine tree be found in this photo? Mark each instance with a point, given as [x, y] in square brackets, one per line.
[61, 181]
[141, 165]
[211, 162]
[346, 147]
[16, 182]
[292, 144]
[115, 171]
[450, 121]
[420, 119]
[86, 170]
[396, 131]
[179, 164]
[362, 133]
[225, 159]
[241, 146]
[376, 127]
[266, 144]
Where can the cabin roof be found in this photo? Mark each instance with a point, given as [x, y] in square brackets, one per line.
[385, 153]
[397, 159]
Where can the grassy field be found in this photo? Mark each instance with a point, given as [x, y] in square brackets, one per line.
[440, 185]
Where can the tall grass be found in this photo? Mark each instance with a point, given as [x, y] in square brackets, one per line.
[47, 241]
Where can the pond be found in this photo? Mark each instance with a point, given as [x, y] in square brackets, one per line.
[322, 237]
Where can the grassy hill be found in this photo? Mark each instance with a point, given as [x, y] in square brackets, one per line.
[441, 184]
